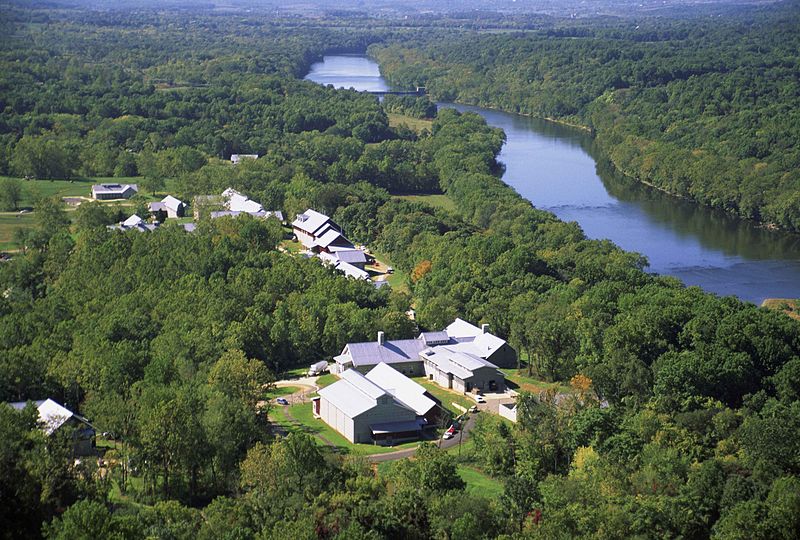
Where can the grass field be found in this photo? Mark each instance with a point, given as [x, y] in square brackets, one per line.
[326, 380]
[279, 391]
[479, 483]
[437, 201]
[447, 397]
[398, 280]
[313, 426]
[415, 124]
[521, 381]
[9, 222]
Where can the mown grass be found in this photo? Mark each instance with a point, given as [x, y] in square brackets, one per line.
[447, 397]
[11, 221]
[279, 391]
[436, 200]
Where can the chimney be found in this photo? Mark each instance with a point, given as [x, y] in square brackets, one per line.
[484, 329]
[381, 338]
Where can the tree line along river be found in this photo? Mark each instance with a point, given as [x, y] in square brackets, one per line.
[559, 169]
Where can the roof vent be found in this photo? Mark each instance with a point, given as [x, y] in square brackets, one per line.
[381, 338]
[484, 329]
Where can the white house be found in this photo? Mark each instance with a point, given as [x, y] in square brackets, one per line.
[173, 207]
[318, 232]
[452, 367]
[54, 417]
[363, 412]
[105, 192]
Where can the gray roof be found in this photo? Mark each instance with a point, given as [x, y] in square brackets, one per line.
[353, 394]
[311, 221]
[156, 206]
[352, 256]
[450, 359]
[435, 338]
[391, 352]
[408, 392]
[189, 227]
[114, 188]
[330, 237]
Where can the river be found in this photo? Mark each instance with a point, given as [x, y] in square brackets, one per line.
[559, 169]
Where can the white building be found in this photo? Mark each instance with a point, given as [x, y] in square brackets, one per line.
[172, 206]
[363, 412]
[106, 192]
[236, 158]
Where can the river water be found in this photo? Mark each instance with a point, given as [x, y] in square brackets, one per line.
[559, 169]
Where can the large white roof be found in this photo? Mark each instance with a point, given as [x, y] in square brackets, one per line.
[402, 388]
[353, 394]
[454, 359]
[172, 203]
[310, 221]
[461, 328]
[51, 414]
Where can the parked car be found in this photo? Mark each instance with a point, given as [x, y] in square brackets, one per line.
[281, 401]
[473, 409]
[450, 433]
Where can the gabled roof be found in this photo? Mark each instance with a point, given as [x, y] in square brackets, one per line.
[330, 237]
[450, 359]
[402, 388]
[391, 352]
[353, 394]
[132, 221]
[51, 414]
[461, 328]
[156, 206]
[352, 256]
[312, 221]
[172, 203]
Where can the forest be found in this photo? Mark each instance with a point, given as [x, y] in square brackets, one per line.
[682, 417]
[702, 109]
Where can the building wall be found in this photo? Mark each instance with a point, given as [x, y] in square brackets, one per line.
[337, 419]
[388, 411]
[409, 369]
[504, 357]
[303, 237]
[508, 412]
[481, 378]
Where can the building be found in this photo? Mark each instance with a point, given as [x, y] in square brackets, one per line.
[106, 192]
[134, 223]
[171, 206]
[402, 355]
[462, 357]
[55, 417]
[350, 270]
[482, 343]
[406, 391]
[363, 412]
[450, 367]
[317, 232]
[508, 411]
[236, 158]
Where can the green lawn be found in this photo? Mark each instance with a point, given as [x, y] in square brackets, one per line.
[326, 380]
[279, 391]
[447, 397]
[479, 483]
[437, 201]
[9, 222]
[398, 280]
[313, 426]
[521, 381]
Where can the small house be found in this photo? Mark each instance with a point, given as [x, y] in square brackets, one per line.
[169, 205]
[236, 158]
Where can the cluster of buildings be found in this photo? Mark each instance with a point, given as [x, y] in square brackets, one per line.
[323, 237]
[233, 204]
[375, 398]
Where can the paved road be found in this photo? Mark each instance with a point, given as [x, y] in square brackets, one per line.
[463, 436]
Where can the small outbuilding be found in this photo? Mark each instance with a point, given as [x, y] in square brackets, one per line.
[107, 192]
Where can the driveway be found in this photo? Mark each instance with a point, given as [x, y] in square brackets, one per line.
[462, 437]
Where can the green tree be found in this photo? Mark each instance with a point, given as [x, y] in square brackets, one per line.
[10, 193]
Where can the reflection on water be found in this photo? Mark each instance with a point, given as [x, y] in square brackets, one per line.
[560, 169]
